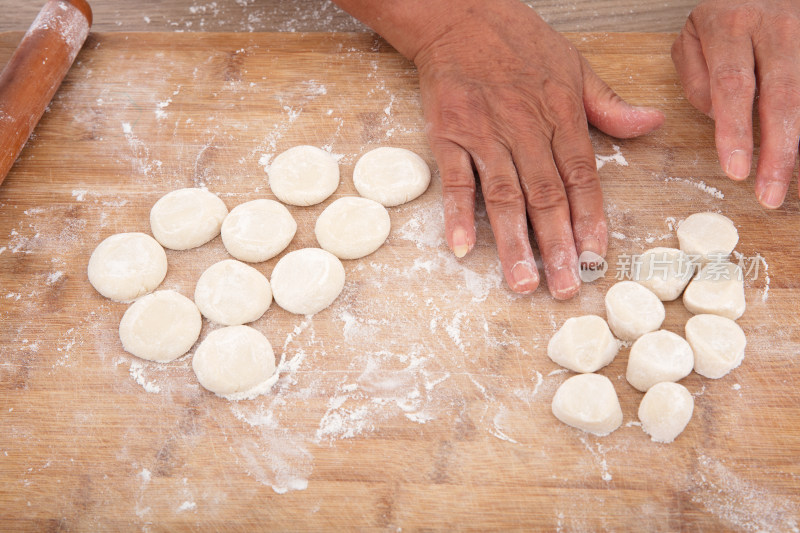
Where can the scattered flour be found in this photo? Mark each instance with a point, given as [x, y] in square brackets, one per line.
[616, 157]
[698, 184]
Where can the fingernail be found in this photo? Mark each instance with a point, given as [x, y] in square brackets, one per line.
[564, 283]
[460, 246]
[523, 277]
[772, 196]
[738, 166]
[590, 244]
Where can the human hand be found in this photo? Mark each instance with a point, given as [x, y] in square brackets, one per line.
[504, 92]
[727, 50]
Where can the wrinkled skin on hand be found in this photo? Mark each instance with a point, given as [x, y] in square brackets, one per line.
[728, 50]
[505, 93]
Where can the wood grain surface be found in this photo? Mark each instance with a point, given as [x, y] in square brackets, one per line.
[421, 398]
[324, 15]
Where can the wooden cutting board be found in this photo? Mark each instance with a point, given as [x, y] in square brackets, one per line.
[421, 398]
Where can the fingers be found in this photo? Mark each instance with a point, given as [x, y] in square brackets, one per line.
[458, 195]
[687, 54]
[505, 206]
[550, 215]
[574, 157]
[729, 56]
[610, 113]
[779, 113]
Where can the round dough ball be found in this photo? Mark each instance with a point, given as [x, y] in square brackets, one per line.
[353, 227]
[235, 362]
[665, 411]
[127, 265]
[588, 402]
[258, 230]
[718, 289]
[307, 281]
[160, 327]
[718, 344]
[705, 235]
[187, 218]
[232, 293]
[583, 344]
[391, 176]
[665, 271]
[632, 310]
[303, 175]
[658, 356]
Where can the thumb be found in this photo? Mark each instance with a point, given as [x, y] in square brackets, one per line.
[611, 114]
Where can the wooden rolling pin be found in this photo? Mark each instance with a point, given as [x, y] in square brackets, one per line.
[35, 71]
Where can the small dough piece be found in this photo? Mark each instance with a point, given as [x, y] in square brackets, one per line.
[665, 271]
[665, 411]
[633, 310]
[258, 230]
[588, 402]
[303, 175]
[353, 227]
[127, 265]
[707, 235]
[187, 218]
[583, 344]
[232, 293]
[307, 281]
[718, 289]
[658, 356]
[235, 362]
[718, 344]
[160, 327]
[391, 176]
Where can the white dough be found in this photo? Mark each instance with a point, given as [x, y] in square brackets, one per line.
[232, 293]
[718, 289]
[187, 218]
[307, 281]
[632, 310]
[127, 265]
[658, 356]
[707, 235]
[588, 402]
[235, 362]
[583, 344]
[160, 327]
[352, 227]
[718, 344]
[391, 176]
[665, 271]
[665, 411]
[258, 230]
[303, 175]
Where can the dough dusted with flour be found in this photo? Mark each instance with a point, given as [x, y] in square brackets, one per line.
[588, 402]
[187, 218]
[160, 327]
[258, 230]
[307, 281]
[718, 289]
[706, 235]
[658, 356]
[583, 344]
[665, 411]
[665, 271]
[235, 362]
[303, 175]
[127, 265]
[633, 310]
[391, 176]
[352, 227]
[718, 344]
[232, 293]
